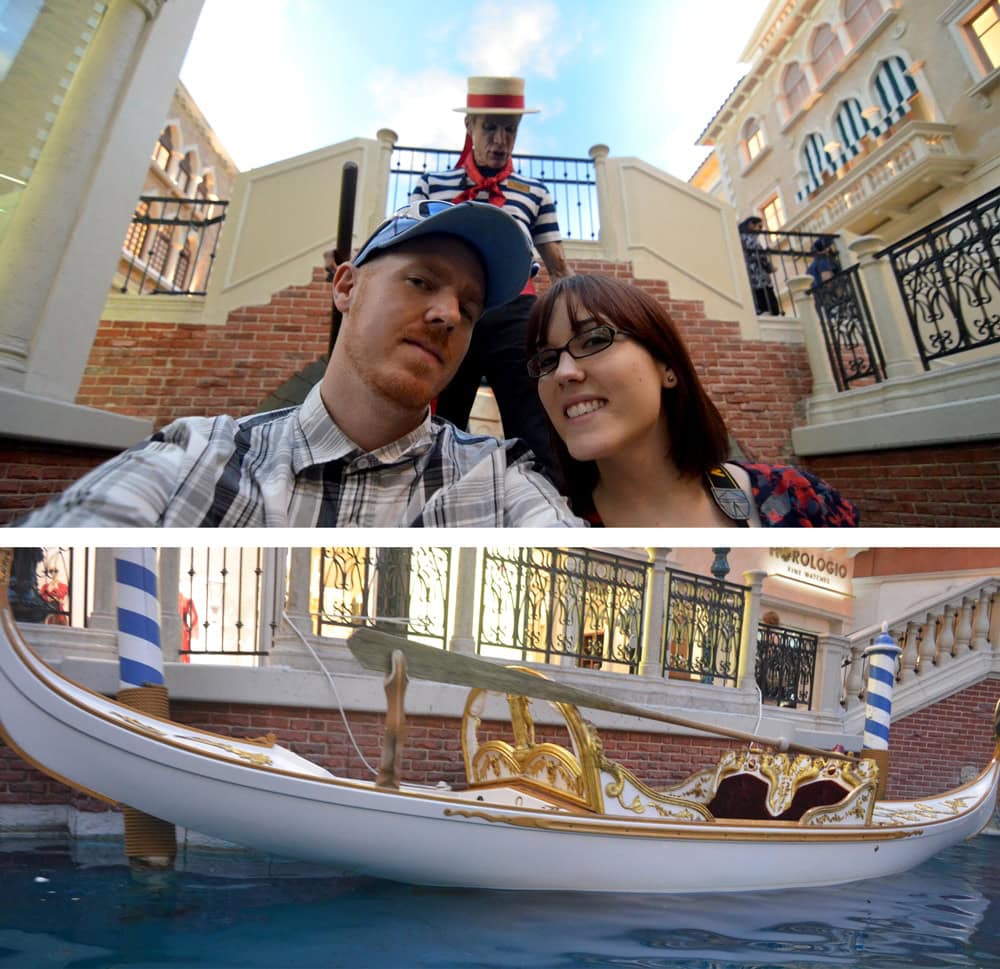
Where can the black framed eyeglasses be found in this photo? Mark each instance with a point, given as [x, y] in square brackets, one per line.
[584, 344]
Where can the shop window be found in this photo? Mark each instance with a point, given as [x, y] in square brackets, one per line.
[136, 235]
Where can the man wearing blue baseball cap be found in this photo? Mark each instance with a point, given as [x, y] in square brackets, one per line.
[362, 450]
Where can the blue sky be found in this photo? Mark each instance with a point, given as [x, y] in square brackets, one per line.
[276, 78]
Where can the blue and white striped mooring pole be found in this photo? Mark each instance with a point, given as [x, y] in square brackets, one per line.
[140, 659]
[878, 709]
[149, 842]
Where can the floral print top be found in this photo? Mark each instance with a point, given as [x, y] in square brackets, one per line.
[785, 497]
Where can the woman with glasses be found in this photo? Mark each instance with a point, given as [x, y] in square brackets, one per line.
[638, 439]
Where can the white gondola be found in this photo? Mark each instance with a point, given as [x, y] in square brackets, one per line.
[532, 816]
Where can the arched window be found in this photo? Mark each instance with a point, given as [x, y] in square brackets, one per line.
[795, 88]
[159, 251]
[161, 153]
[753, 140]
[185, 173]
[816, 159]
[826, 52]
[851, 126]
[184, 259]
[859, 16]
[893, 87]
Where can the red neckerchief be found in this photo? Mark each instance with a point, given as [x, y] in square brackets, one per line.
[480, 183]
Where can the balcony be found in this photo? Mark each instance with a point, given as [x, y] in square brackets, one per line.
[902, 168]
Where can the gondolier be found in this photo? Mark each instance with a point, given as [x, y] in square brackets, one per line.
[484, 173]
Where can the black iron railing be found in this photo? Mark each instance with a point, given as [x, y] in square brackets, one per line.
[704, 628]
[219, 602]
[541, 605]
[786, 665]
[52, 585]
[949, 278]
[789, 254]
[170, 246]
[571, 182]
[404, 591]
[849, 333]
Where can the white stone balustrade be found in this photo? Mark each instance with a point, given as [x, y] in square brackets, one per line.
[945, 643]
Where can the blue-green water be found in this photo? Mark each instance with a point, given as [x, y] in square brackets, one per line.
[79, 905]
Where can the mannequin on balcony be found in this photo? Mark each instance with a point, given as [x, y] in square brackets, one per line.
[362, 450]
[639, 441]
[484, 172]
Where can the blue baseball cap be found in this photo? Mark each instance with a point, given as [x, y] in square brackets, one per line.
[502, 242]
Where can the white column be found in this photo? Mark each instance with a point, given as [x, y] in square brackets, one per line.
[828, 680]
[610, 237]
[463, 633]
[928, 645]
[169, 579]
[59, 253]
[747, 675]
[654, 613]
[272, 600]
[299, 581]
[379, 179]
[854, 682]
[104, 615]
[899, 347]
[812, 333]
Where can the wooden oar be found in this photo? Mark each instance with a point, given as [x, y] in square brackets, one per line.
[373, 649]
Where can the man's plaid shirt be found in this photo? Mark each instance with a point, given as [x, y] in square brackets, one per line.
[296, 468]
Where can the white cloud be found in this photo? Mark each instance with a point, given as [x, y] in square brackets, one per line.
[419, 107]
[529, 37]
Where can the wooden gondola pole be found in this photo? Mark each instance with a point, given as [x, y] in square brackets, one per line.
[389, 768]
[878, 703]
[374, 649]
[150, 843]
[345, 232]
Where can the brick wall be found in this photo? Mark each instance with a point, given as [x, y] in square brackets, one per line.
[164, 371]
[955, 485]
[31, 472]
[929, 748]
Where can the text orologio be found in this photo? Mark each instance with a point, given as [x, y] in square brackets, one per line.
[808, 559]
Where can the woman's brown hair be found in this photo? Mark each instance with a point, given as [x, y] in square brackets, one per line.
[698, 437]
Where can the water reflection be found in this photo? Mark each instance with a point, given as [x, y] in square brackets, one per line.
[227, 910]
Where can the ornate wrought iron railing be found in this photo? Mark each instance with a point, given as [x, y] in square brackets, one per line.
[566, 606]
[849, 333]
[786, 665]
[948, 275]
[571, 182]
[703, 628]
[170, 245]
[789, 254]
[402, 590]
[219, 602]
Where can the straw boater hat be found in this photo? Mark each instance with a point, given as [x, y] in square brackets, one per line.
[496, 95]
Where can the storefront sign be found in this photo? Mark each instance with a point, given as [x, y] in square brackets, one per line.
[826, 568]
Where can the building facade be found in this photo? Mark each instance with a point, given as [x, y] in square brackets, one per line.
[860, 117]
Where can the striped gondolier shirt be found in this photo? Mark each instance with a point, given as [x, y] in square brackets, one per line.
[526, 198]
[295, 468]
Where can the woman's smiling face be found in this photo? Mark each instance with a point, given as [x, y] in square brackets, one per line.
[607, 405]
